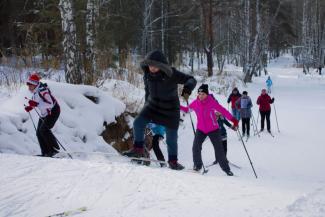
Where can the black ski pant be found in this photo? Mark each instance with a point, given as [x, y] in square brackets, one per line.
[224, 145]
[156, 148]
[245, 125]
[265, 115]
[219, 152]
[46, 139]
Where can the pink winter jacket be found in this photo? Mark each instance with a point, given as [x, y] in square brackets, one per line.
[205, 111]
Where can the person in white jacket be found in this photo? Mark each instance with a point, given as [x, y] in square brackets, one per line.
[49, 114]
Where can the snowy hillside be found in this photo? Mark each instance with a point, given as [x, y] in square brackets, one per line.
[290, 166]
[80, 123]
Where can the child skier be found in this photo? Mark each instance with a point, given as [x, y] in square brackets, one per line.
[158, 134]
[49, 114]
[221, 122]
[269, 84]
[205, 107]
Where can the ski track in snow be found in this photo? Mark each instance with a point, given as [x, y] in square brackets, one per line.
[291, 179]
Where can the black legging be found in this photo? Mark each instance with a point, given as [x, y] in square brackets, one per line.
[245, 125]
[219, 152]
[267, 116]
[156, 148]
[46, 139]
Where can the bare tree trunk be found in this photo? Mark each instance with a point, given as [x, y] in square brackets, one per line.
[208, 30]
[90, 64]
[162, 26]
[72, 62]
[146, 35]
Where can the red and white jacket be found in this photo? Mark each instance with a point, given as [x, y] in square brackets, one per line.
[45, 100]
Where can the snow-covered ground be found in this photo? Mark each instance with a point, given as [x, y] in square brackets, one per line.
[289, 166]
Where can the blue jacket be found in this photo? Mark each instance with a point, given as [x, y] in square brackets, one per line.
[269, 82]
[157, 129]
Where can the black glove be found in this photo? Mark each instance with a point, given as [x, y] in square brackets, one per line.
[186, 93]
[272, 100]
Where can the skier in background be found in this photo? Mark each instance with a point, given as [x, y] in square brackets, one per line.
[245, 105]
[233, 97]
[269, 84]
[265, 101]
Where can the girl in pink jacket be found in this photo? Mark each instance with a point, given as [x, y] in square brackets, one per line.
[205, 107]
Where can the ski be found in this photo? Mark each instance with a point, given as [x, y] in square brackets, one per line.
[69, 212]
[230, 163]
[147, 161]
[234, 165]
[201, 171]
[271, 134]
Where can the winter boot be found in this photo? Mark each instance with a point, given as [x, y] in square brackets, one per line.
[197, 168]
[134, 152]
[174, 165]
[229, 173]
[269, 131]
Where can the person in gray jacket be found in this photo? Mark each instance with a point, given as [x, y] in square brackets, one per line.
[245, 104]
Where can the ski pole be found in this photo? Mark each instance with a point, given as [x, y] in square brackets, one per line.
[258, 115]
[191, 117]
[32, 121]
[246, 152]
[53, 134]
[276, 118]
[254, 124]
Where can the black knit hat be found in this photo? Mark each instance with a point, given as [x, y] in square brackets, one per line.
[203, 88]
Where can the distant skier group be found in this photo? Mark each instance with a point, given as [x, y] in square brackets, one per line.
[161, 113]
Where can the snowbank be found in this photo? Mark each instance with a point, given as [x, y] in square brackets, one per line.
[78, 128]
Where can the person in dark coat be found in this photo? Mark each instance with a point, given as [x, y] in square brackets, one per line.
[162, 104]
[244, 103]
[265, 101]
[233, 97]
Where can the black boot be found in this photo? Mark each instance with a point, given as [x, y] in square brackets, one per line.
[174, 165]
[197, 168]
[229, 173]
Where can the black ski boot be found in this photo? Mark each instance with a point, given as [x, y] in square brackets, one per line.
[197, 168]
[174, 165]
[229, 173]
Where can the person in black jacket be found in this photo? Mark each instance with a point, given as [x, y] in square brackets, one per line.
[161, 104]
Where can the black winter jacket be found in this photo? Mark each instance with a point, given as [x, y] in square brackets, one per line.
[162, 103]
